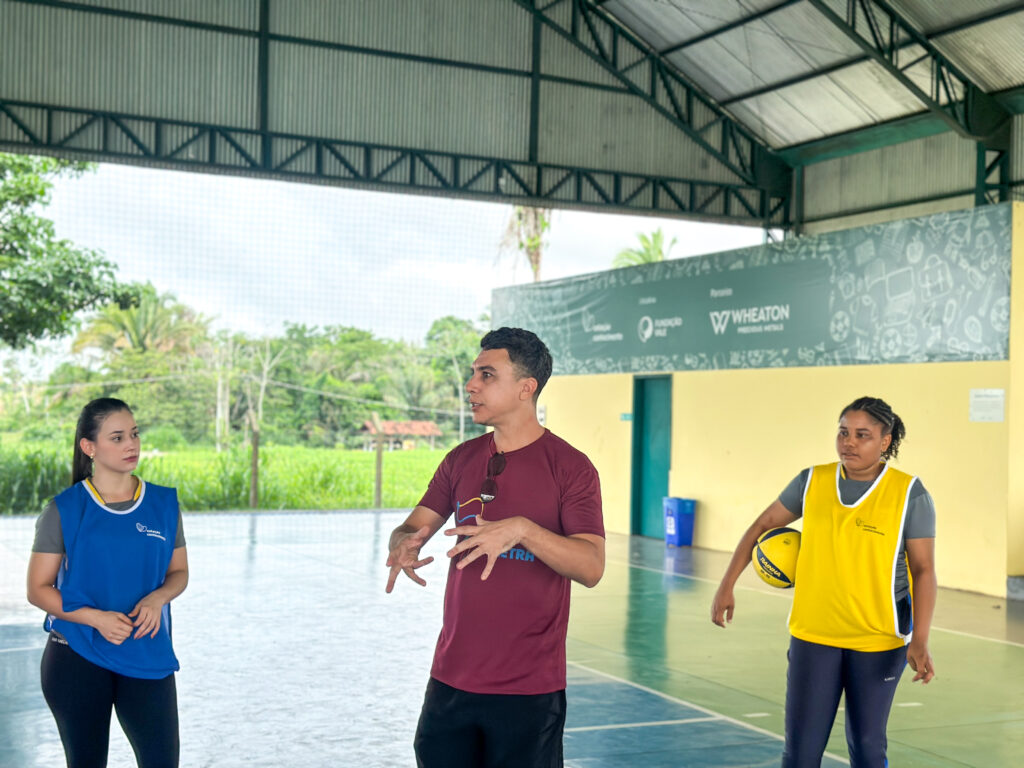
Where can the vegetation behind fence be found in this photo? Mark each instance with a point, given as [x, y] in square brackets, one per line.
[291, 477]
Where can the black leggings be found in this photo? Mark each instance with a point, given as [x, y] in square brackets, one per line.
[81, 694]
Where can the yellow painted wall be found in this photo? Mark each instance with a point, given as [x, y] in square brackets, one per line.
[1015, 403]
[739, 436]
[586, 411]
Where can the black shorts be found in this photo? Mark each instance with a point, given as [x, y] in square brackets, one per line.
[489, 730]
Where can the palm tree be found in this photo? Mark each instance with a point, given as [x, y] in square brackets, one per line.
[651, 249]
[157, 322]
[411, 385]
[525, 232]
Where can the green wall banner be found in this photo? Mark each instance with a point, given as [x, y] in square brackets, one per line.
[931, 289]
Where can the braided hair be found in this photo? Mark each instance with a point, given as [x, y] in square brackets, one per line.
[882, 412]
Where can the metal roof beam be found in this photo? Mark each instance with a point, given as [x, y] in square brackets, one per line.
[727, 27]
[909, 128]
[974, 21]
[263, 35]
[135, 139]
[880, 32]
[795, 80]
[619, 52]
[950, 29]
[918, 126]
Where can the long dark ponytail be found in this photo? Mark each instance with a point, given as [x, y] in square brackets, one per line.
[89, 422]
[880, 411]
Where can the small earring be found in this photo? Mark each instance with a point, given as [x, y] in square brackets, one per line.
[92, 465]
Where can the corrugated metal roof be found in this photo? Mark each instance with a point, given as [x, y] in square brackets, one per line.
[1017, 149]
[836, 103]
[935, 165]
[991, 54]
[676, 21]
[243, 14]
[59, 56]
[496, 34]
[791, 42]
[790, 75]
[601, 129]
[456, 76]
[929, 16]
[451, 109]
[561, 58]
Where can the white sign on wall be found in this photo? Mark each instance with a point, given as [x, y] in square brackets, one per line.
[988, 405]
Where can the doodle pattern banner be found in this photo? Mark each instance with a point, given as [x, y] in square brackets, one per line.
[932, 289]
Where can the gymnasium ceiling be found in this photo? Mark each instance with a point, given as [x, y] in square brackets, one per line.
[706, 109]
[799, 72]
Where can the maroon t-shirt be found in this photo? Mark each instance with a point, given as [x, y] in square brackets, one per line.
[507, 634]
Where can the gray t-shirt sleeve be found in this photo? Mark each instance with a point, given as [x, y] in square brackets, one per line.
[920, 523]
[792, 496]
[50, 538]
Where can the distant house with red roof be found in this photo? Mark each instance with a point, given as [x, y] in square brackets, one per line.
[399, 435]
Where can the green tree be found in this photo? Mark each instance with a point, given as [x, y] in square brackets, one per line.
[410, 384]
[329, 375]
[156, 355]
[453, 344]
[165, 389]
[154, 322]
[69, 387]
[525, 233]
[44, 281]
[260, 358]
[652, 249]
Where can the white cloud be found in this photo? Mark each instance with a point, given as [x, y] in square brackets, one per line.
[259, 253]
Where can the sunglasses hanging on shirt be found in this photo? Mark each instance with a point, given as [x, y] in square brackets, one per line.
[489, 488]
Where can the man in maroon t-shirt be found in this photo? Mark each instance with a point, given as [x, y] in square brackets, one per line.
[527, 514]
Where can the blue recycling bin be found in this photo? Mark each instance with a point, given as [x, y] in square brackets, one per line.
[678, 521]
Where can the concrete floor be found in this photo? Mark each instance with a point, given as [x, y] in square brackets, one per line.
[292, 655]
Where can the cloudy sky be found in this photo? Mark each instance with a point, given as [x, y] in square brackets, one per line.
[255, 254]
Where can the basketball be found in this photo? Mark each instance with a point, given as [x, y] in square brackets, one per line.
[774, 556]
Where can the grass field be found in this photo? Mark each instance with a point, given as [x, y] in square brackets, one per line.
[290, 477]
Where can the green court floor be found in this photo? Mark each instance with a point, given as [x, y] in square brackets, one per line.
[649, 622]
[292, 655]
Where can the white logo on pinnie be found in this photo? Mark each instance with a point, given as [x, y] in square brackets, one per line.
[143, 529]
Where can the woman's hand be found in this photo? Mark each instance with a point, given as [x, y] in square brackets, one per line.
[147, 615]
[113, 625]
[920, 661]
[722, 606]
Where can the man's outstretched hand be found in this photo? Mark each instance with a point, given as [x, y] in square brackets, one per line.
[405, 556]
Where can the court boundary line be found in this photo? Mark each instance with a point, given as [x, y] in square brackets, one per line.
[979, 637]
[698, 707]
[652, 724]
[663, 572]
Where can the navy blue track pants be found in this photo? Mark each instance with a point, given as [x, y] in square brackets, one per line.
[817, 675]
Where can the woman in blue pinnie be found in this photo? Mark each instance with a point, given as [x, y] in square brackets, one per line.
[108, 558]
